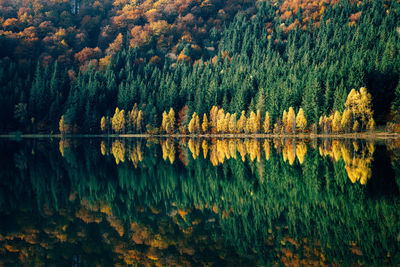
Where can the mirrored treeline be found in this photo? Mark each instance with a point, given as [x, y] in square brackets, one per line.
[199, 201]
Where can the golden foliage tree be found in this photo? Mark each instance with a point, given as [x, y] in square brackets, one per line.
[116, 45]
[63, 126]
[284, 121]
[168, 121]
[197, 124]
[241, 122]
[204, 125]
[194, 124]
[225, 127]
[336, 122]
[301, 121]
[346, 122]
[371, 124]
[267, 123]
[365, 106]
[232, 123]
[213, 118]
[103, 124]
[132, 119]
[118, 121]
[291, 121]
[353, 98]
[171, 116]
[139, 121]
[251, 123]
[359, 103]
[257, 125]
[325, 124]
[220, 120]
[164, 122]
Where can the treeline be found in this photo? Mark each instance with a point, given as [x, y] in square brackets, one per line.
[356, 117]
[260, 66]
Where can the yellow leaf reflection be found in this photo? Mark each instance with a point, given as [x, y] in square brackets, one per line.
[301, 151]
[168, 150]
[356, 155]
[103, 148]
[204, 146]
[118, 151]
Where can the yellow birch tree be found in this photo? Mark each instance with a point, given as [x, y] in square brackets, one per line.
[139, 121]
[103, 123]
[225, 126]
[213, 118]
[204, 125]
[346, 122]
[63, 126]
[267, 123]
[220, 120]
[241, 122]
[301, 121]
[284, 121]
[291, 121]
[371, 125]
[257, 125]
[232, 123]
[336, 122]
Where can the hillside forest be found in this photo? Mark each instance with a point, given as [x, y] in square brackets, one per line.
[193, 66]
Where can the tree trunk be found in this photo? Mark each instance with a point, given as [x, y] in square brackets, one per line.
[75, 6]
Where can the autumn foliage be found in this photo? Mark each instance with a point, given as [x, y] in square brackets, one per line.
[56, 30]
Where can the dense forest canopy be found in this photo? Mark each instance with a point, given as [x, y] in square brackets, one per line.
[265, 57]
[79, 32]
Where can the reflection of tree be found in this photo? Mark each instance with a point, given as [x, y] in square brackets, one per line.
[156, 212]
[267, 149]
[358, 161]
[118, 151]
[103, 148]
[168, 150]
[194, 147]
[165, 241]
[135, 154]
[62, 145]
[301, 151]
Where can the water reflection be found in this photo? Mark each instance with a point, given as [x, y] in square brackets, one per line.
[199, 202]
[357, 155]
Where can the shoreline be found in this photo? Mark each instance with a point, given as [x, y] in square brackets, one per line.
[364, 135]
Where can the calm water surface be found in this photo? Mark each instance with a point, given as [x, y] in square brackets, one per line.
[195, 202]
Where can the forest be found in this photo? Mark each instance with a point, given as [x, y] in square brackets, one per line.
[195, 67]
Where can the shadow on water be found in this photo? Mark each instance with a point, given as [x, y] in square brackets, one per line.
[383, 181]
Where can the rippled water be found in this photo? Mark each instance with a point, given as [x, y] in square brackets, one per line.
[87, 202]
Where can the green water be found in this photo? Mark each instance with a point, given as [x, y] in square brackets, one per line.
[195, 202]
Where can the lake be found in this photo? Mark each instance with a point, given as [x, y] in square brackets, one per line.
[199, 202]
